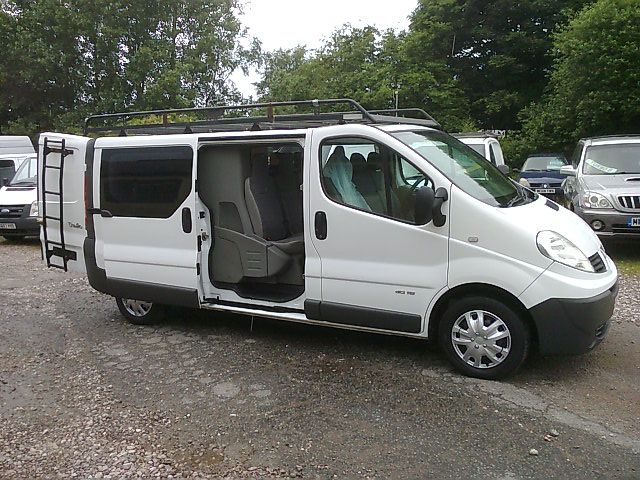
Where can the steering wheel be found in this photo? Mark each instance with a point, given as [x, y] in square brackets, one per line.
[415, 184]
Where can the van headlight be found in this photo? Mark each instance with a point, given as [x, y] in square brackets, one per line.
[33, 212]
[594, 200]
[559, 249]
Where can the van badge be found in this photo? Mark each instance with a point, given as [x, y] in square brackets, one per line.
[74, 225]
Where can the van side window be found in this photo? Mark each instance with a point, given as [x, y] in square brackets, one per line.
[149, 182]
[370, 177]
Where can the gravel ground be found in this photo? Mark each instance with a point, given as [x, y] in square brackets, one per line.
[83, 394]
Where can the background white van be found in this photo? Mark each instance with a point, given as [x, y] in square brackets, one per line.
[485, 144]
[19, 198]
[18, 193]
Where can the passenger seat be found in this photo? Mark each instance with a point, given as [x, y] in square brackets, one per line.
[368, 178]
[266, 210]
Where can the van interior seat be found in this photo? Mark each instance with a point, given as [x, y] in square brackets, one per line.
[368, 176]
[267, 211]
[338, 174]
[250, 239]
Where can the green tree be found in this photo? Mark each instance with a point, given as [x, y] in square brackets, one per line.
[369, 66]
[67, 59]
[497, 51]
[594, 86]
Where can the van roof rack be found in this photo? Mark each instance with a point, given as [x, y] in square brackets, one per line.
[228, 118]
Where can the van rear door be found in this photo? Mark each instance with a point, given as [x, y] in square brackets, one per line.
[143, 212]
[61, 167]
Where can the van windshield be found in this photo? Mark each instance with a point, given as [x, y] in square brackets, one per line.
[27, 173]
[466, 168]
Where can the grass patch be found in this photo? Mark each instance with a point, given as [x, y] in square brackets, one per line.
[626, 255]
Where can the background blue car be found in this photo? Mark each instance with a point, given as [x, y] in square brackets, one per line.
[541, 173]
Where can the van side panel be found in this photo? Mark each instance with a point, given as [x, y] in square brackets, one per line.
[71, 230]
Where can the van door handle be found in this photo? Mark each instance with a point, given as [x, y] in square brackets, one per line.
[321, 225]
[98, 211]
[187, 224]
[442, 196]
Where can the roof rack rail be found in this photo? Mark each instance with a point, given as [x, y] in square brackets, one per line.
[235, 117]
[403, 112]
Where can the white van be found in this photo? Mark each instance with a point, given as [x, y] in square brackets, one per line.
[13, 151]
[349, 219]
[19, 201]
[15, 144]
[486, 144]
[18, 196]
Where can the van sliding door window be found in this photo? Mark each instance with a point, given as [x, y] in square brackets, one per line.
[148, 182]
[370, 177]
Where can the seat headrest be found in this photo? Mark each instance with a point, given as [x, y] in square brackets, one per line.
[374, 159]
[358, 160]
[338, 164]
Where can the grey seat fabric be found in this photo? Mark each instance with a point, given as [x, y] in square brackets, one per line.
[266, 210]
[240, 251]
[287, 175]
[368, 176]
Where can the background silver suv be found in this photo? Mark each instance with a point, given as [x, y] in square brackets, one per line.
[603, 184]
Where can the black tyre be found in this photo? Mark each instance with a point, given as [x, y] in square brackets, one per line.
[483, 337]
[140, 312]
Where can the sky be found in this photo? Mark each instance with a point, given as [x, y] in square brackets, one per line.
[287, 23]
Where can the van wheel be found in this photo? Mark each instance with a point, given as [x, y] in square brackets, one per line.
[483, 337]
[139, 312]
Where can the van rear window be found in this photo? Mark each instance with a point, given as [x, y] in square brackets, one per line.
[148, 182]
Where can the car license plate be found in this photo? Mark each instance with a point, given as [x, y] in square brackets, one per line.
[12, 226]
[545, 190]
[634, 222]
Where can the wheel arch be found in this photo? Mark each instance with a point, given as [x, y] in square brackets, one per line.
[475, 289]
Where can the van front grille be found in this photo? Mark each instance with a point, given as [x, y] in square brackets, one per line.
[598, 263]
[632, 202]
[11, 211]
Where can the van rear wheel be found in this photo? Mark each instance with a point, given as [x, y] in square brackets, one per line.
[484, 337]
[139, 312]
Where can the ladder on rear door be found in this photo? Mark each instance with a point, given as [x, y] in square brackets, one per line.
[54, 248]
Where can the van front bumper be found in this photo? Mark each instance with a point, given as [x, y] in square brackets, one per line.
[25, 227]
[573, 326]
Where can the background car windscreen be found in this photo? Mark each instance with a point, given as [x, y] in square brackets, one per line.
[612, 159]
[543, 164]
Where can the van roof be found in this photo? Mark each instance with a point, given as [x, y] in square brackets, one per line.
[295, 115]
[14, 144]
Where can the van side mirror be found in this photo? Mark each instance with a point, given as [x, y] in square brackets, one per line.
[568, 170]
[504, 169]
[425, 199]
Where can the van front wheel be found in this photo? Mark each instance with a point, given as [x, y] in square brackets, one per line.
[139, 312]
[483, 337]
